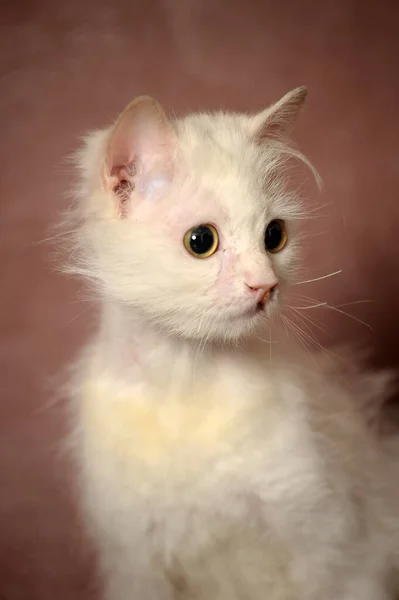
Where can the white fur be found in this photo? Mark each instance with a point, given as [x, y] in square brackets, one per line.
[208, 471]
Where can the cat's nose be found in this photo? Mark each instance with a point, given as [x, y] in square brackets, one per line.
[262, 292]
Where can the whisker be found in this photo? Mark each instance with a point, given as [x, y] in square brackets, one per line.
[271, 335]
[266, 341]
[285, 326]
[303, 342]
[311, 340]
[307, 307]
[309, 320]
[336, 309]
[311, 333]
[79, 314]
[319, 278]
[342, 312]
[303, 297]
[356, 302]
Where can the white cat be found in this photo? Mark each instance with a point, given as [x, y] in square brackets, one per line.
[209, 471]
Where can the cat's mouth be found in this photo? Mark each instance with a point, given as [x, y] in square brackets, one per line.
[258, 309]
[260, 306]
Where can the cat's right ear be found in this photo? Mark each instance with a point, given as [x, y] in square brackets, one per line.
[277, 120]
[141, 143]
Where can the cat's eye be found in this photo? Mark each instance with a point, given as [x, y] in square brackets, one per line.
[275, 236]
[201, 241]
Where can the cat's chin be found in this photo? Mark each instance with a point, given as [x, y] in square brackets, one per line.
[245, 326]
[253, 316]
[230, 329]
[218, 327]
[255, 312]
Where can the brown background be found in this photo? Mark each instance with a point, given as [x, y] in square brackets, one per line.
[66, 67]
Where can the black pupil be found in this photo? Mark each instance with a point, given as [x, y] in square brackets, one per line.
[273, 235]
[201, 239]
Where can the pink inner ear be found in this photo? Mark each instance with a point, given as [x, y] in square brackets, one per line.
[124, 171]
[277, 120]
[123, 187]
[120, 162]
[120, 180]
[142, 137]
[139, 153]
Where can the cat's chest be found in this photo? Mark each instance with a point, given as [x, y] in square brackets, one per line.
[188, 467]
[179, 435]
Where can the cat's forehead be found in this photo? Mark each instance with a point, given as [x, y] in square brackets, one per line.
[218, 144]
[218, 154]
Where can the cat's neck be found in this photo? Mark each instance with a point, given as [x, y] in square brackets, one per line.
[132, 350]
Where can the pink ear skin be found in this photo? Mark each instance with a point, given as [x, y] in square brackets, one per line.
[278, 120]
[142, 140]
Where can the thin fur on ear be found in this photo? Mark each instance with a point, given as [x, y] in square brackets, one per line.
[277, 120]
[142, 140]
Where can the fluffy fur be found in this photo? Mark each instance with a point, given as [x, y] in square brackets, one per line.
[209, 471]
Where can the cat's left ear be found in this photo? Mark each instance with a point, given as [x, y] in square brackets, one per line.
[141, 144]
[278, 120]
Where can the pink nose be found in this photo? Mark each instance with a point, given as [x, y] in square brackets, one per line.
[262, 293]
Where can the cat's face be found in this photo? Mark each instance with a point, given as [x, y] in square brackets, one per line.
[198, 233]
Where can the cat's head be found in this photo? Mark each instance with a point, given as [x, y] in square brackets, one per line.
[188, 222]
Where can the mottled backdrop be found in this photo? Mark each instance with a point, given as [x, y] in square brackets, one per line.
[66, 67]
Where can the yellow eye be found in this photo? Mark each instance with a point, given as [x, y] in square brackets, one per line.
[275, 236]
[201, 241]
